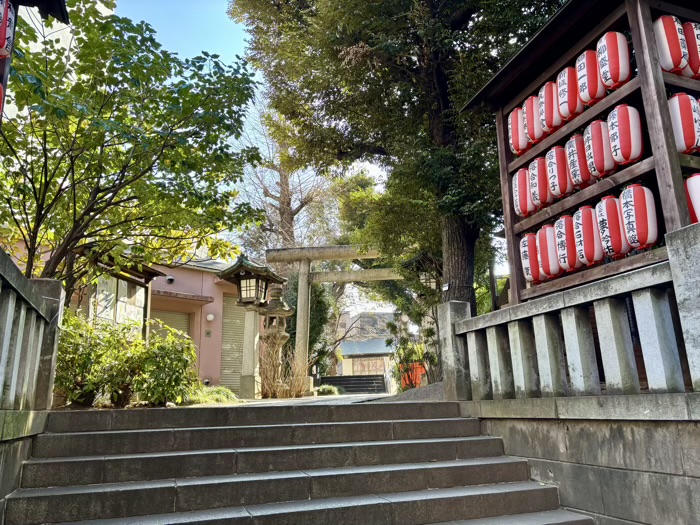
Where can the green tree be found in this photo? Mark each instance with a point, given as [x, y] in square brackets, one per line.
[384, 80]
[117, 146]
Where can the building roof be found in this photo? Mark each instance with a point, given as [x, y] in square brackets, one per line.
[370, 347]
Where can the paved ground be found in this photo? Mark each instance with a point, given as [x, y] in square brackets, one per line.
[434, 392]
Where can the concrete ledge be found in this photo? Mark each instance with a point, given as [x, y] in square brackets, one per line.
[644, 407]
[651, 276]
[520, 409]
[18, 424]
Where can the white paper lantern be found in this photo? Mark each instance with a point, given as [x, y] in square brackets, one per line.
[570, 103]
[671, 43]
[613, 53]
[590, 84]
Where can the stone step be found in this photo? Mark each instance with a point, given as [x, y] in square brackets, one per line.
[242, 415]
[160, 440]
[404, 508]
[554, 517]
[53, 472]
[34, 506]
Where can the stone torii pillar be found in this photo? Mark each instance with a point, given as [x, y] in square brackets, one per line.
[301, 345]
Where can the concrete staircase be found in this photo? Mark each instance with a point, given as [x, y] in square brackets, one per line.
[363, 464]
[357, 384]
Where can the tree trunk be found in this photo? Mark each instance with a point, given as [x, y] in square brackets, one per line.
[458, 250]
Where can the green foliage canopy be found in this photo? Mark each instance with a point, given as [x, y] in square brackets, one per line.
[385, 80]
[117, 146]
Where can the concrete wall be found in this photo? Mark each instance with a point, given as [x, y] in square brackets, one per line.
[207, 335]
[619, 472]
[16, 431]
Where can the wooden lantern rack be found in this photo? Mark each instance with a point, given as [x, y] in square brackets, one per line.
[662, 168]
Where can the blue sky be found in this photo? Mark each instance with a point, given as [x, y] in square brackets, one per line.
[187, 27]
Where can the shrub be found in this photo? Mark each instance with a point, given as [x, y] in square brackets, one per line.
[166, 367]
[120, 361]
[79, 351]
[327, 390]
[207, 395]
[99, 358]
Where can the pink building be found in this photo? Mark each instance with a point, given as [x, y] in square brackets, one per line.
[191, 298]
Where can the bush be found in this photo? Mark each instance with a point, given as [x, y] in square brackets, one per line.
[79, 351]
[167, 366]
[99, 358]
[207, 395]
[327, 390]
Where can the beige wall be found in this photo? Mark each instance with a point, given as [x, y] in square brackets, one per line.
[206, 334]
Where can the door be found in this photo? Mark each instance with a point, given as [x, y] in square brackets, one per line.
[177, 320]
[232, 344]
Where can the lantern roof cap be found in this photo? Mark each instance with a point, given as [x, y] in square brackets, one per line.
[567, 27]
[243, 264]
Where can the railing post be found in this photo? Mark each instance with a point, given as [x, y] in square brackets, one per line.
[549, 343]
[54, 295]
[524, 357]
[500, 362]
[479, 371]
[580, 351]
[662, 362]
[453, 351]
[617, 352]
[683, 255]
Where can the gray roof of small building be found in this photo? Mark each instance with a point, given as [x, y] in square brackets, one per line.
[369, 347]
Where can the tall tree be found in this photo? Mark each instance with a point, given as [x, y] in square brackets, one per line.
[384, 80]
[292, 194]
[117, 146]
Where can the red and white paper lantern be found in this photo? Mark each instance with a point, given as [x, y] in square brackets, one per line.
[611, 228]
[522, 200]
[539, 183]
[578, 165]
[7, 24]
[599, 154]
[639, 216]
[570, 103]
[531, 118]
[550, 119]
[560, 183]
[670, 40]
[685, 118]
[566, 244]
[588, 246]
[530, 259]
[625, 130]
[547, 250]
[691, 31]
[613, 53]
[692, 191]
[590, 84]
[516, 132]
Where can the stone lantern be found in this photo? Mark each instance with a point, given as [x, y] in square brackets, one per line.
[252, 281]
[274, 337]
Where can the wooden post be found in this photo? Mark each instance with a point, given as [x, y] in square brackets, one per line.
[658, 116]
[517, 280]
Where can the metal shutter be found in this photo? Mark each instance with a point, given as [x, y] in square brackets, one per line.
[232, 344]
[177, 320]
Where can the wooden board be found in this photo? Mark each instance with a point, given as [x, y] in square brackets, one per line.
[601, 108]
[572, 202]
[658, 116]
[596, 273]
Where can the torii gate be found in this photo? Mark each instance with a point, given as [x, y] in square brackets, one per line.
[304, 256]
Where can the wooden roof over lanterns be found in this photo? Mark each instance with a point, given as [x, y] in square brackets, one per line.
[47, 8]
[559, 40]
